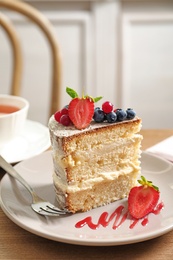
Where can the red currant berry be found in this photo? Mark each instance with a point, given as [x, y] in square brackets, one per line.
[65, 120]
[107, 107]
[64, 111]
[57, 116]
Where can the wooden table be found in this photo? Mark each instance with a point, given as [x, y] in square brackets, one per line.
[16, 243]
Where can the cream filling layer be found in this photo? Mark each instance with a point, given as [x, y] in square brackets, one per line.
[88, 184]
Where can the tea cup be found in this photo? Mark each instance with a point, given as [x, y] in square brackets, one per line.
[13, 114]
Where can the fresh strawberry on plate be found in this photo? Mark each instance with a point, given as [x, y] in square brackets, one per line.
[143, 199]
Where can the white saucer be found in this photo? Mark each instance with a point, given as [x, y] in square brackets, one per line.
[37, 171]
[33, 141]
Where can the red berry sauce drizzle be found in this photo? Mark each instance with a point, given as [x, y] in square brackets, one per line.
[118, 217]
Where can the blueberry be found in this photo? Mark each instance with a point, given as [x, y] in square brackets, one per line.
[111, 117]
[99, 115]
[130, 113]
[97, 108]
[121, 114]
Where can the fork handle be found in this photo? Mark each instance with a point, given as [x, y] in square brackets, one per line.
[11, 171]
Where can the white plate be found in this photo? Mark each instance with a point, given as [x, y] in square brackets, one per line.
[163, 149]
[32, 141]
[38, 172]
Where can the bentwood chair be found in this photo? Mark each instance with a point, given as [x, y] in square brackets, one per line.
[45, 26]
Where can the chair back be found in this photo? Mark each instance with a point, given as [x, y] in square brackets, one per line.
[46, 27]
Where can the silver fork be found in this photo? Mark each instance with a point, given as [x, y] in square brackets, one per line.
[39, 205]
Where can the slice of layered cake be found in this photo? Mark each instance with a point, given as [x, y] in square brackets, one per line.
[98, 162]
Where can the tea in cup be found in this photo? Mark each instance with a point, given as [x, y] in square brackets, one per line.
[13, 114]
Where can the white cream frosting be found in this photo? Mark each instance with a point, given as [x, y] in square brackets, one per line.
[65, 131]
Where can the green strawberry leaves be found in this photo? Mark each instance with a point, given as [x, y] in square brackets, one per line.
[73, 94]
[96, 99]
[145, 182]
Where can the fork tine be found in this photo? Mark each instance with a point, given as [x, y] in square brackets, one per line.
[47, 213]
[53, 209]
[45, 208]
